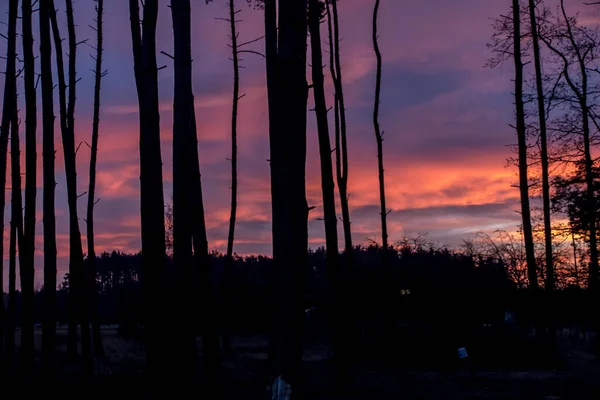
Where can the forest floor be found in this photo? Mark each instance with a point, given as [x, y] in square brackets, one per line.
[120, 373]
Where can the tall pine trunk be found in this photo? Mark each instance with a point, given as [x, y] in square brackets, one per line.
[91, 272]
[9, 108]
[77, 294]
[379, 134]
[48, 18]
[228, 276]
[341, 147]
[328, 189]
[287, 133]
[16, 231]
[154, 260]
[522, 149]
[182, 181]
[550, 278]
[27, 271]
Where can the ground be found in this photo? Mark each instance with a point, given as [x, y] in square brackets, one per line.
[576, 376]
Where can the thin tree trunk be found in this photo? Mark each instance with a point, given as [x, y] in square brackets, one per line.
[227, 292]
[379, 135]
[48, 17]
[9, 108]
[550, 278]
[93, 290]
[78, 296]
[154, 261]
[16, 237]
[522, 148]
[328, 190]
[27, 271]
[270, 13]
[12, 290]
[288, 176]
[26, 257]
[341, 149]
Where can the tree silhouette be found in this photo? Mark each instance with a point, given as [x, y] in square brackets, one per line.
[48, 21]
[378, 133]
[288, 92]
[234, 173]
[9, 108]
[341, 142]
[91, 268]
[151, 187]
[328, 189]
[27, 271]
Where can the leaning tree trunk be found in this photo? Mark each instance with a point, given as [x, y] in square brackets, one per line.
[288, 177]
[228, 275]
[379, 135]
[522, 149]
[77, 293]
[154, 261]
[341, 147]
[91, 272]
[9, 108]
[328, 190]
[27, 271]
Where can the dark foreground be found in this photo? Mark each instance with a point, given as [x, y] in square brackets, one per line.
[575, 375]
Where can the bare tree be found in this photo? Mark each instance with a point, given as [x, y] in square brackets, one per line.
[379, 134]
[27, 271]
[91, 273]
[341, 142]
[151, 188]
[9, 108]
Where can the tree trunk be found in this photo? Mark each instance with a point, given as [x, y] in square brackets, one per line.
[27, 271]
[288, 176]
[48, 17]
[16, 240]
[379, 135]
[522, 148]
[182, 181]
[228, 276]
[154, 261]
[341, 149]
[12, 291]
[328, 190]
[77, 293]
[550, 278]
[9, 108]
[91, 273]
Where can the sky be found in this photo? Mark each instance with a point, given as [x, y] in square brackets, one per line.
[445, 116]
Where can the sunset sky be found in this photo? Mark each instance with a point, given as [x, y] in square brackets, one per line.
[446, 120]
